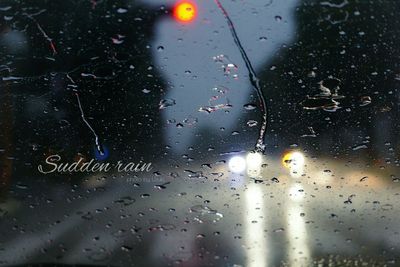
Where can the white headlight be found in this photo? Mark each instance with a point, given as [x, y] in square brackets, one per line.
[237, 164]
[297, 158]
[253, 160]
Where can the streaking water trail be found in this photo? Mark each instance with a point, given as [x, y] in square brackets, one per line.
[53, 49]
[97, 140]
[50, 40]
[255, 82]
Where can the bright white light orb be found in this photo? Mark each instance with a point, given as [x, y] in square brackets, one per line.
[237, 164]
[294, 161]
[298, 158]
[253, 160]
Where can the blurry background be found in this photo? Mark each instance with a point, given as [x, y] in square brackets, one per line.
[330, 74]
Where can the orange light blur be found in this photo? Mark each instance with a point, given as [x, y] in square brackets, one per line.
[185, 11]
[293, 159]
[287, 157]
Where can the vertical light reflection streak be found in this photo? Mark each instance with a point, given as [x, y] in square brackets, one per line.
[298, 251]
[253, 163]
[255, 242]
[296, 171]
[295, 164]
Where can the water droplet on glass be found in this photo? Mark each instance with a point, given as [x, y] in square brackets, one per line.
[205, 214]
[118, 39]
[226, 64]
[358, 147]
[252, 123]
[122, 10]
[164, 103]
[250, 106]
[125, 201]
[387, 207]
[126, 248]
[365, 100]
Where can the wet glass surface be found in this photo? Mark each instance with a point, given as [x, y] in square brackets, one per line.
[225, 133]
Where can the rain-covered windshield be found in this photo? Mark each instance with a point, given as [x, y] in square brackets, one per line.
[200, 133]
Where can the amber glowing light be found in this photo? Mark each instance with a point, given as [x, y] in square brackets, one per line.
[292, 157]
[286, 159]
[185, 11]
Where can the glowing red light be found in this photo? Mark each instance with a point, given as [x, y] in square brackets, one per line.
[185, 11]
